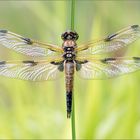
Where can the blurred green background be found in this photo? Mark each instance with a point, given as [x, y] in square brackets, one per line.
[107, 109]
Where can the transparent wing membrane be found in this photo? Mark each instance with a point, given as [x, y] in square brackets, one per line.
[27, 46]
[31, 70]
[87, 66]
[111, 43]
[107, 68]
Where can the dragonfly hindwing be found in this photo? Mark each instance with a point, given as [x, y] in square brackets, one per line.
[78, 64]
[3, 31]
[33, 63]
[2, 62]
[60, 65]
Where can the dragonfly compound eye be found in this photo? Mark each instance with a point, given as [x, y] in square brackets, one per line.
[75, 36]
[69, 35]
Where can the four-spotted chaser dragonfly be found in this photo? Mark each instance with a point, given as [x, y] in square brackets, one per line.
[69, 58]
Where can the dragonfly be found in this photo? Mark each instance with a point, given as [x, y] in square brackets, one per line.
[70, 58]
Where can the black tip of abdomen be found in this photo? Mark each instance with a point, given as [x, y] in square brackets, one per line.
[69, 103]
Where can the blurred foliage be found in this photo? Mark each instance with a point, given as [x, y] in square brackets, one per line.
[108, 109]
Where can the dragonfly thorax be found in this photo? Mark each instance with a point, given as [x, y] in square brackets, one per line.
[69, 53]
[69, 56]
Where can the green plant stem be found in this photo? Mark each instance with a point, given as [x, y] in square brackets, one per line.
[73, 120]
[73, 106]
[72, 13]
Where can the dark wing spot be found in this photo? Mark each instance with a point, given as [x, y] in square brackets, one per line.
[134, 26]
[107, 59]
[61, 67]
[3, 31]
[28, 41]
[136, 58]
[56, 63]
[30, 62]
[81, 62]
[2, 62]
[78, 66]
[52, 50]
[109, 38]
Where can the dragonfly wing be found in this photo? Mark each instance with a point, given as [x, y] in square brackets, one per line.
[26, 46]
[106, 68]
[113, 42]
[31, 70]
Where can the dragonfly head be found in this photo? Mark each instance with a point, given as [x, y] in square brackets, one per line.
[69, 35]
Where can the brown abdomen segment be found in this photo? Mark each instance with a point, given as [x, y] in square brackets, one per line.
[69, 72]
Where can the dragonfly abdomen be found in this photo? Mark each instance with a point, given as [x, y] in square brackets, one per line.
[69, 72]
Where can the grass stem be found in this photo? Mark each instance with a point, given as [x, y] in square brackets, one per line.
[73, 105]
[72, 14]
